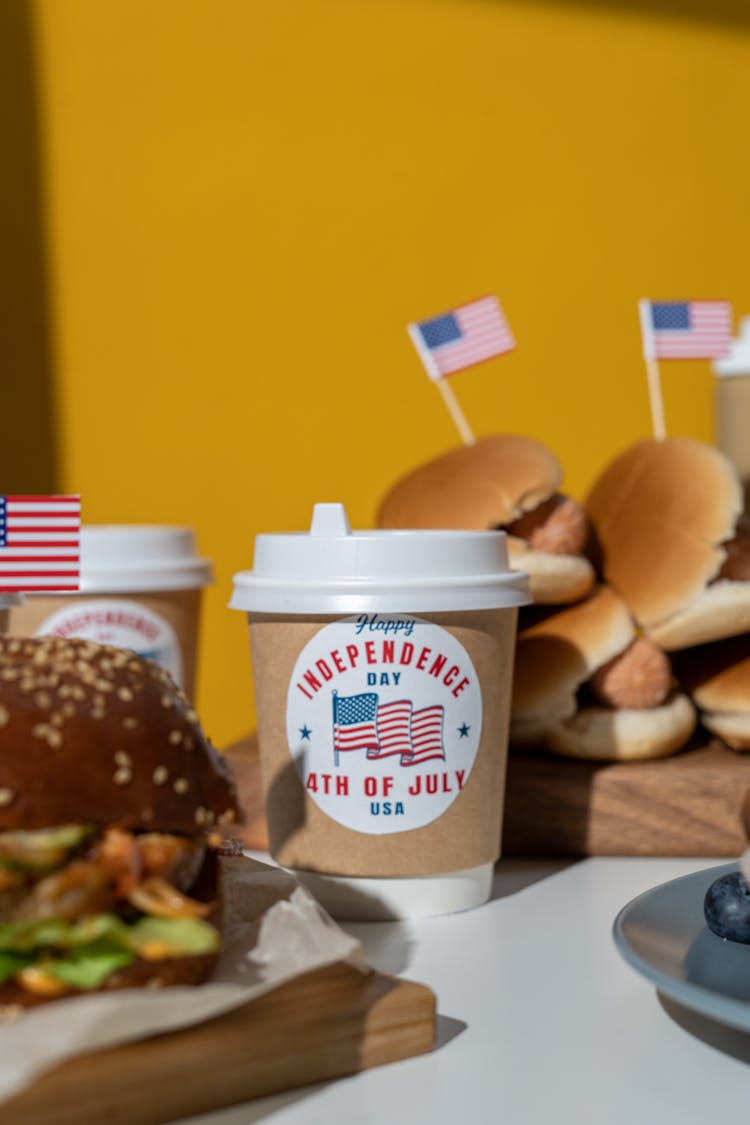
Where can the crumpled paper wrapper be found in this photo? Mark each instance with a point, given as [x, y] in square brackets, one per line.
[274, 930]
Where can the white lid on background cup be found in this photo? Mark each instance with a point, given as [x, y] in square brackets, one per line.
[333, 569]
[138, 558]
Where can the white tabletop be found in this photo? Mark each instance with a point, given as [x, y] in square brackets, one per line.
[540, 1020]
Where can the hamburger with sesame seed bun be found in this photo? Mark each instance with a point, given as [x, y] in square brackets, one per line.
[113, 809]
[509, 482]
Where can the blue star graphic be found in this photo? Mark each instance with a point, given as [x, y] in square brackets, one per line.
[305, 732]
[464, 730]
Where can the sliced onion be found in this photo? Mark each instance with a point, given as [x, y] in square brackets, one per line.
[157, 896]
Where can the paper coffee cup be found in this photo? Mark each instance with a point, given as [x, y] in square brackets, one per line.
[141, 589]
[732, 404]
[382, 663]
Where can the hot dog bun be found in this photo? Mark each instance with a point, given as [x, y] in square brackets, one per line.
[717, 676]
[553, 706]
[662, 512]
[493, 483]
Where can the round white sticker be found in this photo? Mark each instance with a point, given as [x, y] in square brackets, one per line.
[124, 624]
[384, 717]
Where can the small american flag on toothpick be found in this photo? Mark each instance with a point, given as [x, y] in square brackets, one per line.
[40, 543]
[454, 340]
[460, 338]
[686, 329]
[680, 330]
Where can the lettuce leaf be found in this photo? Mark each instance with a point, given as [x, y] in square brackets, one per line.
[88, 967]
[179, 936]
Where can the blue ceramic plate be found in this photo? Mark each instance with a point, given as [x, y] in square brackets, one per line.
[663, 935]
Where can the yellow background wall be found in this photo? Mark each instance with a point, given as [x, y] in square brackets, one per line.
[244, 203]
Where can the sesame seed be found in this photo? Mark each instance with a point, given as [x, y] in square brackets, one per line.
[6, 797]
[57, 719]
[68, 709]
[227, 817]
[191, 716]
[103, 685]
[125, 694]
[98, 712]
[200, 815]
[10, 674]
[4, 716]
[122, 776]
[39, 730]
[188, 742]
[130, 722]
[54, 738]
[43, 700]
[160, 775]
[175, 737]
[181, 785]
[166, 701]
[122, 758]
[77, 692]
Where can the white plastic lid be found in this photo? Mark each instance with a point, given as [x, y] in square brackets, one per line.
[132, 558]
[738, 360]
[336, 570]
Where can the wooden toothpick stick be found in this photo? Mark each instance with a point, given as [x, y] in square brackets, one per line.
[456, 413]
[655, 399]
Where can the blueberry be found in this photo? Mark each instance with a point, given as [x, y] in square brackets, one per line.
[727, 907]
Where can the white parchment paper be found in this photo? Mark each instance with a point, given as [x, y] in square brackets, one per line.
[274, 930]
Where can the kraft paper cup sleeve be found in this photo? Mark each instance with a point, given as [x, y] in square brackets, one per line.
[274, 931]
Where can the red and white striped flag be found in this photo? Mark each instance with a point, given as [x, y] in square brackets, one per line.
[686, 329]
[426, 736]
[40, 543]
[460, 338]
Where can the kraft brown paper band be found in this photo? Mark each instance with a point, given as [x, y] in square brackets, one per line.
[180, 608]
[466, 835]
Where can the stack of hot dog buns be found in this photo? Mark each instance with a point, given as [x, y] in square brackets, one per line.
[673, 540]
[636, 591]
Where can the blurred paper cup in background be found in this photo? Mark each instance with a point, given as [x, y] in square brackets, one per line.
[382, 663]
[140, 589]
[732, 404]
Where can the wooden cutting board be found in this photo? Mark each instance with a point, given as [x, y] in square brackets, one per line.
[326, 1024]
[694, 803]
